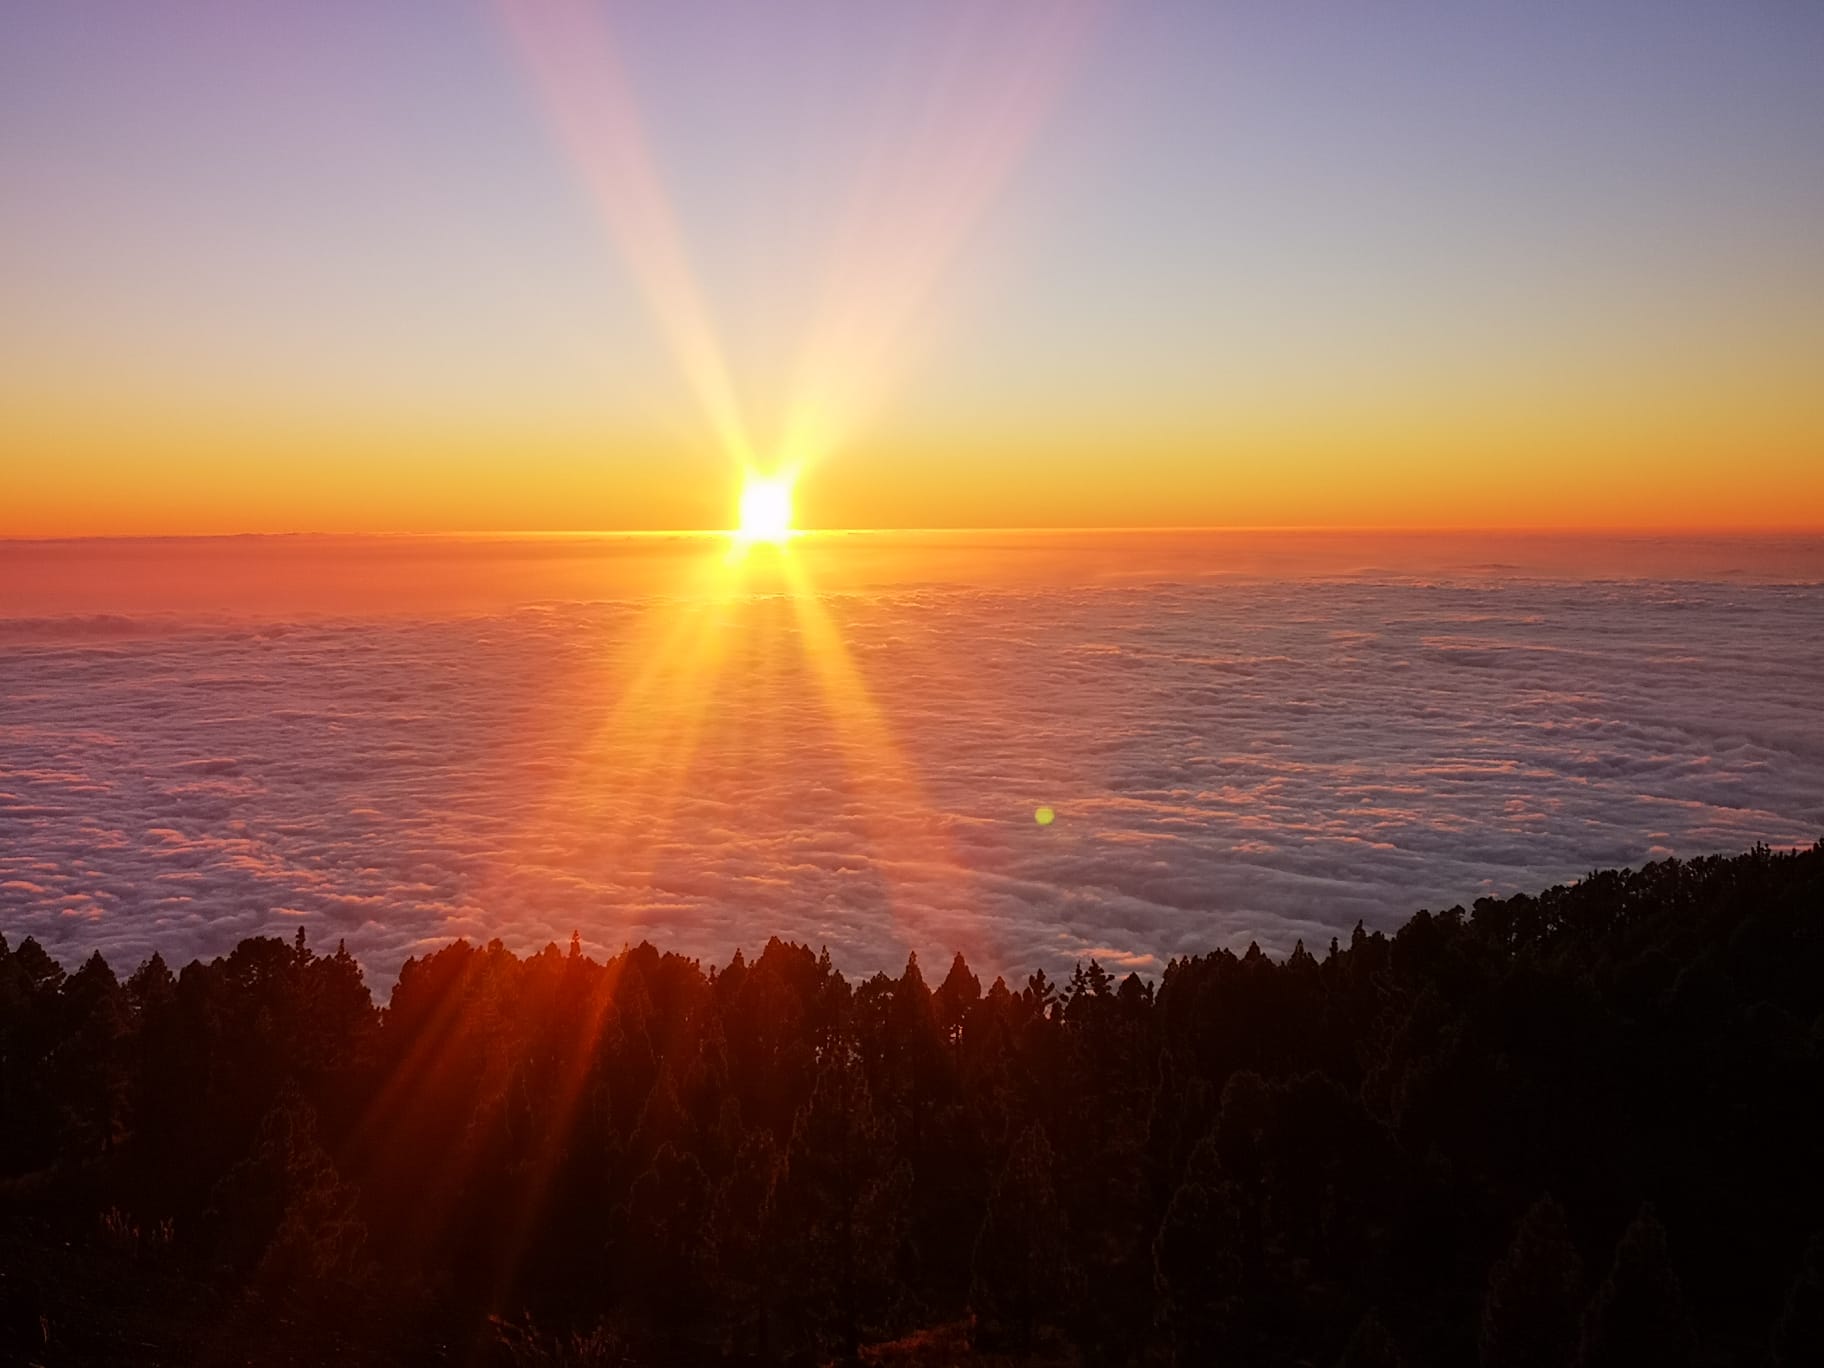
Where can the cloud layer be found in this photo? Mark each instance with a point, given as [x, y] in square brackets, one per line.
[1229, 760]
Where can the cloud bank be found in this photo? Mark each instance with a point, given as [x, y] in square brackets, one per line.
[1228, 760]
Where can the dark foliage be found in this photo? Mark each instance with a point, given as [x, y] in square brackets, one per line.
[1530, 1311]
[1578, 1127]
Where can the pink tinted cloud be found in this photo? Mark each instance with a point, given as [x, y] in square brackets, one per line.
[1219, 778]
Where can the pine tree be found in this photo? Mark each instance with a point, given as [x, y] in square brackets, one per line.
[39, 972]
[1020, 1261]
[742, 1229]
[87, 1064]
[1198, 1266]
[841, 1208]
[1371, 1346]
[1798, 1338]
[960, 991]
[1529, 1312]
[1040, 992]
[1638, 1314]
[665, 1246]
[284, 1209]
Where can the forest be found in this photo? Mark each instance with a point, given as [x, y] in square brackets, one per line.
[1580, 1127]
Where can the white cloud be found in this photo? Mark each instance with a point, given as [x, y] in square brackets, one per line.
[1229, 760]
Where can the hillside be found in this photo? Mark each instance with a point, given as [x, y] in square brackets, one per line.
[1579, 1126]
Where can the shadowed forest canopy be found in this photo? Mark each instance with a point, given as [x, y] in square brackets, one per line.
[1580, 1127]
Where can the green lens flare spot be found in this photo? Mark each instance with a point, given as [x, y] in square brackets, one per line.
[1044, 816]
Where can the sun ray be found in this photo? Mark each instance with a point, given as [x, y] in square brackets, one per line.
[905, 831]
[900, 237]
[570, 53]
[908, 219]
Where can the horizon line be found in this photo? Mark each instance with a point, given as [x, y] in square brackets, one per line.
[1387, 529]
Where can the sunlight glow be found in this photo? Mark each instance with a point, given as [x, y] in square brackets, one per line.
[766, 509]
[895, 242]
[570, 53]
[895, 245]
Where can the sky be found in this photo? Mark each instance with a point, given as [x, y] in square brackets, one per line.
[445, 265]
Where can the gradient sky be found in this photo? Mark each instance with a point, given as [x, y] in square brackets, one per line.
[348, 266]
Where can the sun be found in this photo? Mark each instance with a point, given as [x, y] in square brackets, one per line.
[766, 509]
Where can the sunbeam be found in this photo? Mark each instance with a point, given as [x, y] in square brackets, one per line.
[914, 208]
[905, 223]
[569, 51]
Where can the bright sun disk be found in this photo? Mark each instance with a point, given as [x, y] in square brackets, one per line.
[766, 509]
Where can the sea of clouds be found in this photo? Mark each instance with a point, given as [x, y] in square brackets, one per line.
[1230, 759]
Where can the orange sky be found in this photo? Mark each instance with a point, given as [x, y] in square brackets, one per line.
[1046, 265]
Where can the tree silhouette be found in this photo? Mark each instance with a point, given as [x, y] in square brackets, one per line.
[1798, 1337]
[1371, 1346]
[86, 1062]
[1198, 1262]
[666, 1252]
[840, 1209]
[744, 1229]
[1638, 1314]
[1021, 1273]
[284, 1210]
[553, 1158]
[1530, 1310]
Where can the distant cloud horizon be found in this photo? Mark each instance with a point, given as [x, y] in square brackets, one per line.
[1229, 759]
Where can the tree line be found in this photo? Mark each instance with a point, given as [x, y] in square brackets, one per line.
[1575, 1128]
